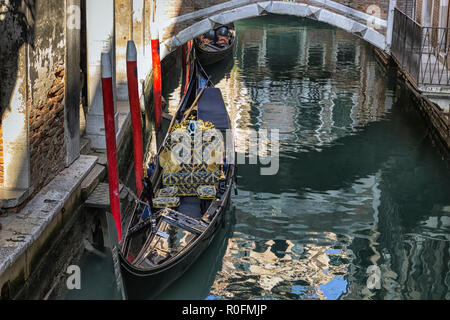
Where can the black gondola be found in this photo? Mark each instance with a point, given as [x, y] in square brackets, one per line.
[163, 239]
[213, 52]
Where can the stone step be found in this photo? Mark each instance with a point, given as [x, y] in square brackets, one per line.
[99, 198]
[12, 198]
[102, 159]
[97, 174]
[85, 146]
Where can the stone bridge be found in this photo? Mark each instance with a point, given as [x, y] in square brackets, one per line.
[180, 21]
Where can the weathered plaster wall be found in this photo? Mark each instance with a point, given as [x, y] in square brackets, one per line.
[132, 22]
[100, 37]
[16, 32]
[46, 63]
[73, 80]
[37, 119]
[123, 29]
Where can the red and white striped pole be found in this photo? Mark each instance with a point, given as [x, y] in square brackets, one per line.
[136, 124]
[110, 133]
[156, 75]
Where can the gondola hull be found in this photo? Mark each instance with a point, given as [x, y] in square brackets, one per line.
[145, 285]
[208, 58]
[153, 256]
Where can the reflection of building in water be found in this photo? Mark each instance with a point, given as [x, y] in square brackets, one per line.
[412, 245]
[317, 264]
[278, 269]
[321, 76]
[333, 89]
[370, 216]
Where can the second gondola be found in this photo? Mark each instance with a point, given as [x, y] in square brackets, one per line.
[216, 44]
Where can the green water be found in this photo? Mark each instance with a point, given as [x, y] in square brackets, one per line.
[359, 184]
[360, 207]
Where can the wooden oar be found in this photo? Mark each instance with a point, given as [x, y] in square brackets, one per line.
[188, 58]
[189, 111]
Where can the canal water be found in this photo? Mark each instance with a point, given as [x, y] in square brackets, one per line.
[360, 205]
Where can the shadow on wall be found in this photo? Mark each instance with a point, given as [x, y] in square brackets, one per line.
[16, 29]
[16, 32]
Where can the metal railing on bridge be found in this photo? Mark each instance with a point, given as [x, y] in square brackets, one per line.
[435, 56]
[423, 52]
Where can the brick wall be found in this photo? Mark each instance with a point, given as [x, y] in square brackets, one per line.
[363, 5]
[436, 11]
[419, 7]
[47, 142]
[175, 8]
[370, 7]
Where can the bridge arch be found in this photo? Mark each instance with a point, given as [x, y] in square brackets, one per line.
[357, 23]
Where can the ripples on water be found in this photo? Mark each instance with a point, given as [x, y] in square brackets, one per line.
[360, 192]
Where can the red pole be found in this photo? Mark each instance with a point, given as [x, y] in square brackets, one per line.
[133, 94]
[156, 75]
[110, 133]
[188, 65]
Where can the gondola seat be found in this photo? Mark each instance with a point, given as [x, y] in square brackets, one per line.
[167, 192]
[167, 198]
[207, 192]
[166, 202]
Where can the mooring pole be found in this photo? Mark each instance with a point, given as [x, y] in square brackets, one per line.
[187, 63]
[110, 133]
[156, 75]
[136, 125]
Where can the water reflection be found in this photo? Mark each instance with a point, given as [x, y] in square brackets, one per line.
[360, 192]
[279, 269]
[359, 188]
[200, 277]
